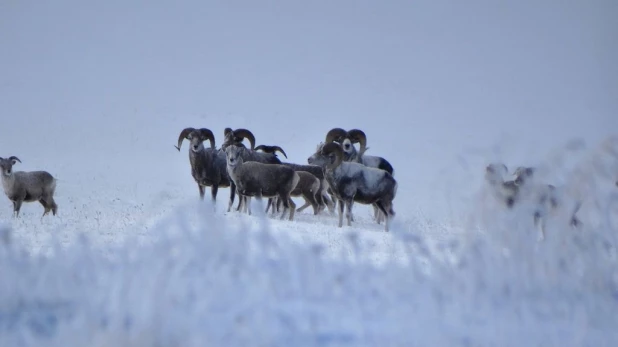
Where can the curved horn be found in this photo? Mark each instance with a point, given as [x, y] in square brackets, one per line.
[227, 131]
[208, 135]
[271, 149]
[183, 135]
[335, 148]
[335, 134]
[359, 136]
[277, 148]
[246, 134]
[14, 158]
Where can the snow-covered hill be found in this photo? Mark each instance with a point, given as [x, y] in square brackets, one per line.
[97, 94]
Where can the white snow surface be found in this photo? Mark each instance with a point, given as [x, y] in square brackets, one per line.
[97, 94]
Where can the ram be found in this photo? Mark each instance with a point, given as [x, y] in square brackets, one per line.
[354, 182]
[28, 186]
[323, 199]
[208, 165]
[255, 179]
[347, 139]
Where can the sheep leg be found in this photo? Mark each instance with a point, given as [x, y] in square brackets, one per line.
[202, 191]
[304, 206]
[311, 200]
[241, 200]
[288, 204]
[16, 207]
[539, 223]
[575, 222]
[246, 204]
[45, 207]
[51, 205]
[341, 207]
[292, 208]
[232, 194]
[385, 212]
[320, 200]
[270, 202]
[349, 211]
[213, 192]
[329, 202]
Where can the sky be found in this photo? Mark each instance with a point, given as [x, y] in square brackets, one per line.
[440, 87]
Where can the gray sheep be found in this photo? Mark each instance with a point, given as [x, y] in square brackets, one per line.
[235, 137]
[347, 139]
[259, 180]
[354, 182]
[308, 187]
[20, 186]
[208, 165]
[322, 197]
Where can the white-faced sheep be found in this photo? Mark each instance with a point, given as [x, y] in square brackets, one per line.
[30, 186]
[354, 182]
[255, 179]
[208, 165]
[347, 139]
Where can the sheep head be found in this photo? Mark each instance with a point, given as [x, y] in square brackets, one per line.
[196, 137]
[233, 155]
[235, 137]
[495, 172]
[522, 174]
[7, 165]
[347, 139]
[271, 149]
[328, 155]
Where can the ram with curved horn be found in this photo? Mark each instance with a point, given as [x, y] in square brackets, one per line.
[235, 137]
[208, 165]
[347, 139]
[354, 182]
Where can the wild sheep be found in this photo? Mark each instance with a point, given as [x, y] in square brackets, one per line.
[354, 182]
[308, 187]
[322, 197]
[30, 186]
[208, 165]
[257, 179]
[347, 139]
[544, 196]
[235, 137]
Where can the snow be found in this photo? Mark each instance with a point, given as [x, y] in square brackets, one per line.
[97, 94]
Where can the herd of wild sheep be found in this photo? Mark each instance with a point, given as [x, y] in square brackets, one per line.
[336, 173]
